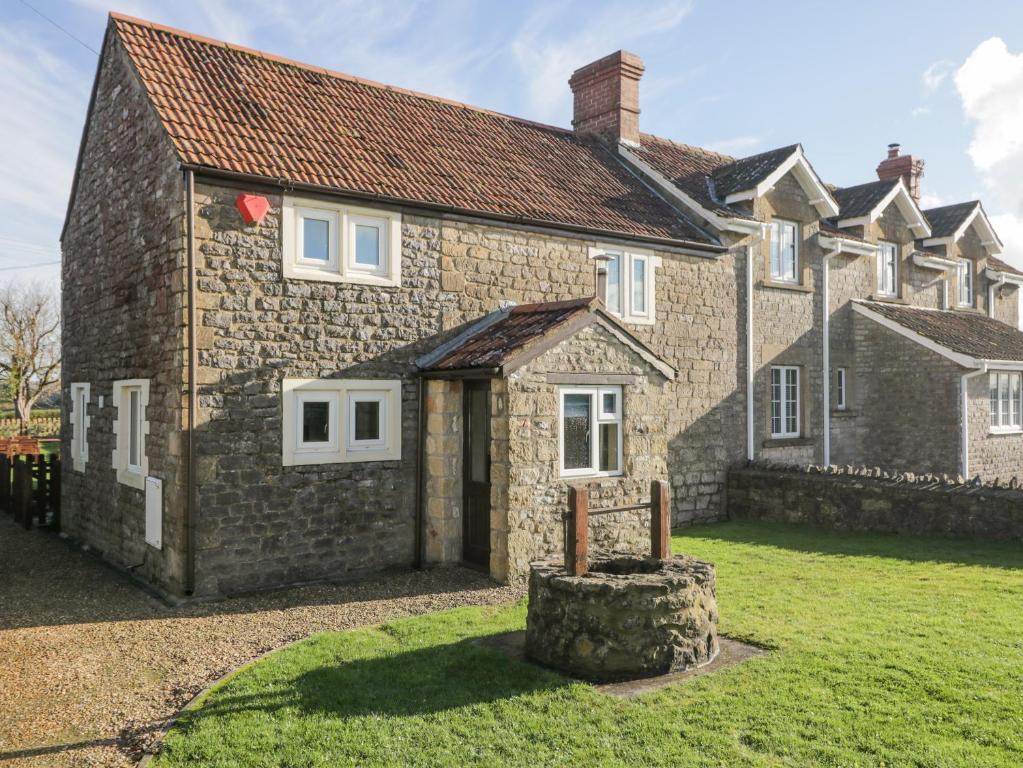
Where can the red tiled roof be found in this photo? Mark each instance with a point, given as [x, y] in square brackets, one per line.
[968, 333]
[492, 345]
[234, 109]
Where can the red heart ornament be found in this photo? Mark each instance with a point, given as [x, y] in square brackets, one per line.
[252, 207]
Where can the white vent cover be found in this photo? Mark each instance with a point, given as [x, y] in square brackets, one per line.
[154, 512]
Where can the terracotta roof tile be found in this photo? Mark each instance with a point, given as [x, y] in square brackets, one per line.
[968, 333]
[233, 109]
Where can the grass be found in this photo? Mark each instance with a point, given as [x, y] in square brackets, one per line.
[888, 651]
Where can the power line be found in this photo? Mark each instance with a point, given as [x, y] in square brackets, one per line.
[30, 266]
[58, 26]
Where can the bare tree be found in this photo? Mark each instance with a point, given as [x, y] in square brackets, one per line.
[29, 345]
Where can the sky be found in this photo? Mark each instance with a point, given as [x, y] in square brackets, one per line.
[945, 79]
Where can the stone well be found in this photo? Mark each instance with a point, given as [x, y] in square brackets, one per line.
[628, 617]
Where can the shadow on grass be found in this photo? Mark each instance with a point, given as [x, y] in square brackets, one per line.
[417, 682]
[825, 541]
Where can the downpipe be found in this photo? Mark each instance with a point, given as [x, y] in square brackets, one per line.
[826, 351]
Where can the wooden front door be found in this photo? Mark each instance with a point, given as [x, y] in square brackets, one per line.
[476, 474]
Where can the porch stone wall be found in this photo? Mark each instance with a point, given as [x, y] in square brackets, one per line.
[443, 472]
[529, 496]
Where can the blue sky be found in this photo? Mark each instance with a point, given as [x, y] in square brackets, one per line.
[944, 79]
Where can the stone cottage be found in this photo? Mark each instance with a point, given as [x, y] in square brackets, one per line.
[315, 326]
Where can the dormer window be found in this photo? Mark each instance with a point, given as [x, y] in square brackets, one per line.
[784, 251]
[887, 269]
[964, 279]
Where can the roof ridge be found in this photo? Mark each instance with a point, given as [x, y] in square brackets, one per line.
[277, 58]
[892, 181]
[683, 145]
[953, 205]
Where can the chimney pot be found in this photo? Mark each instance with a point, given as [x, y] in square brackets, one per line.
[606, 98]
[893, 150]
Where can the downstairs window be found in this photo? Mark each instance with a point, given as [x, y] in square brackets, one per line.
[1006, 407]
[591, 431]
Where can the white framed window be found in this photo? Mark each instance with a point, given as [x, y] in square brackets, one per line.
[630, 283]
[784, 251]
[1006, 406]
[840, 389]
[591, 431]
[340, 243]
[131, 398]
[785, 401]
[888, 269]
[964, 279]
[79, 426]
[338, 421]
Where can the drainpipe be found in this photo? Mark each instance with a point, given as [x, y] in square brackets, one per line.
[750, 452]
[193, 400]
[991, 295]
[965, 421]
[826, 356]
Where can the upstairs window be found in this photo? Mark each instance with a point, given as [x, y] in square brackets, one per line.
[591, 431]
[340, 243]
[784, 251]
[888, 269]
[784, 401]
[1006, 408]
[964, 279]
[79, 426]
[630, 283]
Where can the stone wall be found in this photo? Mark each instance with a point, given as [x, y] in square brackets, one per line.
[992, 455]
[530, 497]
[123, 306]
[868, 501]
[443, 472]
[1007, 304]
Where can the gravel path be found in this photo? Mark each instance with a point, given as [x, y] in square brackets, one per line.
[92, 667]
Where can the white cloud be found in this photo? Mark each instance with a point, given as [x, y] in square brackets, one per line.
[558, 39]
[930, 200]
[936, 74]
[737, 145]
[920, 111]
[990, 86]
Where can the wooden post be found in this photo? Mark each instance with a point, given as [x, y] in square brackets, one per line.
[55, 480]
[660, 520]
[23, 490]
[577, 545]
[39, 490]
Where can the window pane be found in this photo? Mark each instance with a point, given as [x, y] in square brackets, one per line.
[577, 431]
[315, 422]
[791, 401]
[367, 420]
[993, 388]
[316, 239]
[1014, 409]
[1003, 387]
[776, 401]
[609, 447]
[614, 284]
[610, 404]
[133, 428]
[367, 245]
[80, 423]
[788, 249]
[639, 285]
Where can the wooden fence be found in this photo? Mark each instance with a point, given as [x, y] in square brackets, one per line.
[577, 538]
[45, 427]
[30, 489]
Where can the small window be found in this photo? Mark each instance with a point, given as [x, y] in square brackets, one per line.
[840, 390]
[888, 269]
[591, 431]
[365, 413]
[1006, 408]
[784, 401]
[784, 251]
[964, 278]
[340, 243]
[630, 283]
[79, 426]
[131, 397]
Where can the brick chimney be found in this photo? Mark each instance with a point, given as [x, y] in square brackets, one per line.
[607, 98]
[906, 166]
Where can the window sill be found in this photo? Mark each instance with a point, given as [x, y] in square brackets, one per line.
[999, 431]
[131, 478]
[788, 442]
[838, 413]
[295, 272]
[797, 287]
[592, 476]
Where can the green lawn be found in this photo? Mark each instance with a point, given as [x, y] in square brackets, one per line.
[888, 651]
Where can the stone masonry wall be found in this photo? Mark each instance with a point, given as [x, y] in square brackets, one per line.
[910, 404]
[993, 455]
[528, 513]
[123, 317]
[1007, 304]
[913, 504]
[443, 472]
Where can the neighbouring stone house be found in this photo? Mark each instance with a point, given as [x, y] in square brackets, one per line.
[315, 326]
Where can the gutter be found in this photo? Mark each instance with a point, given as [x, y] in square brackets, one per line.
[964, 468]
[686, 247]
[826, 351]
[193, 399]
